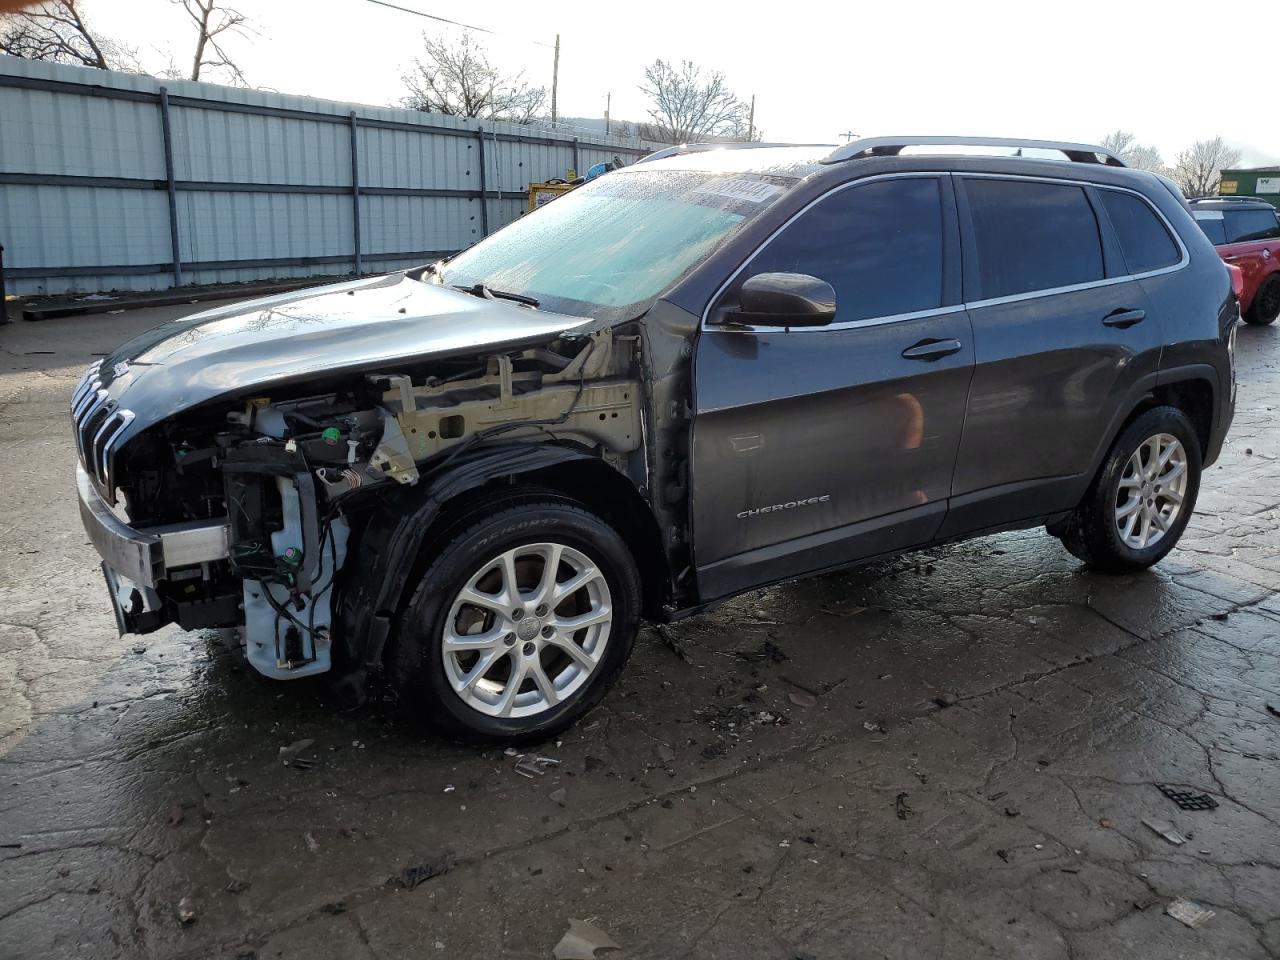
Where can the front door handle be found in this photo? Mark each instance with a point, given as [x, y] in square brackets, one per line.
[1124, 318]
[932, 349]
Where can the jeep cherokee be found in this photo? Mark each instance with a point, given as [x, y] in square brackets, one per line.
[687, 379]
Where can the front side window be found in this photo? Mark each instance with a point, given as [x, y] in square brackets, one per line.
[878, 244]
[1144, 239]
[611, 247]
[1244, 226]
[1033, 236]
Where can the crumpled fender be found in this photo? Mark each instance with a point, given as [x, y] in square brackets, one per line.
[374, 589]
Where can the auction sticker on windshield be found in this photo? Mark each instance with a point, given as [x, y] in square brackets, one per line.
[755, 191]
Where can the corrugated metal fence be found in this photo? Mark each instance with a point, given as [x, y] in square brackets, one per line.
[117, 182]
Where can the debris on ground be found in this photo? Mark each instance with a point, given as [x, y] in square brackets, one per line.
[411, 877]
[768, 650]
[1003, 854]
[872, 726]
[1186, 799]
[236, 887]
[901, 806]
[186, 911]
[843, 611]
[1012, 812]
[581, 941]
[1273, 710]
[806, 688]
[176, 815]
[672, 642]
[530, 767]
[289, 755]
[945, 700]
[333, 909]
[802, 699]
[1192, 914]
[1165, 829]
[312, 843]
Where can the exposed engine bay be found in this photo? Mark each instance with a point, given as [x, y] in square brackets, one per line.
[293, 476]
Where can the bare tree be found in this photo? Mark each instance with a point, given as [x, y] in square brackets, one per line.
[457, 79]
[214, 21]
[1198, 169]
[689, 106]
[1125, 145]
[57, 31]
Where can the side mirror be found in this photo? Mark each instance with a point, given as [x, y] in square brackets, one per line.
[785, 300]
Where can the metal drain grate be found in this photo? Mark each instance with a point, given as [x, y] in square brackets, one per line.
[1187, 800]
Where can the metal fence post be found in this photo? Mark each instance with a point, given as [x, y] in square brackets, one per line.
[167, 131]
[4, 292]
[355, 187]
[484, 188]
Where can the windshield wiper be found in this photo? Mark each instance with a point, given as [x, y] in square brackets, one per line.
[488, 293]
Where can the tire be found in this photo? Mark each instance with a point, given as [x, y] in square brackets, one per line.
[1094, 532]
[1266, 303]
[464, 684]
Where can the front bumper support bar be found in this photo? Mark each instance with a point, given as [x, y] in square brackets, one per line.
[145, 556]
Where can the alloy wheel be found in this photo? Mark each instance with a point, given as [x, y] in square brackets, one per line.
[527, 630]
[1152, 489]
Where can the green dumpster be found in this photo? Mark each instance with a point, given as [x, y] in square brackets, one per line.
[1260, 182]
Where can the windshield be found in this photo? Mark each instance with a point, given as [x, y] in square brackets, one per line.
[610, 247]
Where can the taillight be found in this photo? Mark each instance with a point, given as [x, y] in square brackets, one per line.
[1237, 280]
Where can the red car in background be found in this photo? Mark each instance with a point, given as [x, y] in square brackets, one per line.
[1246, 233]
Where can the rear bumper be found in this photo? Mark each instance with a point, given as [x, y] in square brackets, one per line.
[135, 561]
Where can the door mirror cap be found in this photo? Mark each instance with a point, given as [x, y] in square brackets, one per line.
[785, 300]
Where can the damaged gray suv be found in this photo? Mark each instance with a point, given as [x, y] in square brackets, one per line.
[705, 373]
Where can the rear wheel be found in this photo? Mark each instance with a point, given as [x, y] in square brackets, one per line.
[520, 625]
[1266, 303]
[1143, 496]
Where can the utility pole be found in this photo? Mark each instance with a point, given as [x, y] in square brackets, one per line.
[751, 120]
[555, 81]
[848, 136]
[608, 102]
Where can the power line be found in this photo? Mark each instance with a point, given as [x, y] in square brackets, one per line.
[455, 23]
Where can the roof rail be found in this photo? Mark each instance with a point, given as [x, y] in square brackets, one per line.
[1228, 199]
[684, 148]
[892, 146]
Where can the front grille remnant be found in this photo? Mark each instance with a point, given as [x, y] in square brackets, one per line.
[98, 425]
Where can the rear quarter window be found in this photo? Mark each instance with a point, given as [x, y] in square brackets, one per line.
[1144, 239]
[1214, 227]
[1032, 236]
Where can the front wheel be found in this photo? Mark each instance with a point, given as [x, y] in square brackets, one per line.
[520, 625]
[1266, 303]
[1143, 496]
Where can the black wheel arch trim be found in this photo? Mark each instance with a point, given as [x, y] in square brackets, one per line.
[372, 594]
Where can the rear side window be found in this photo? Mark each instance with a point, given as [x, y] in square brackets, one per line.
[1246, 225]
[1214, 227]
[1032, 236]
[879, 245]
[1144, 240]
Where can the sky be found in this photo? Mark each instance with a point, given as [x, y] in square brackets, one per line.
[1039, 70]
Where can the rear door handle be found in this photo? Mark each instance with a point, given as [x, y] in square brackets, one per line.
[932, 349]
[1124, 318]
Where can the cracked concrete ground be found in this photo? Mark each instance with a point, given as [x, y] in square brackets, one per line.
[819, 805]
